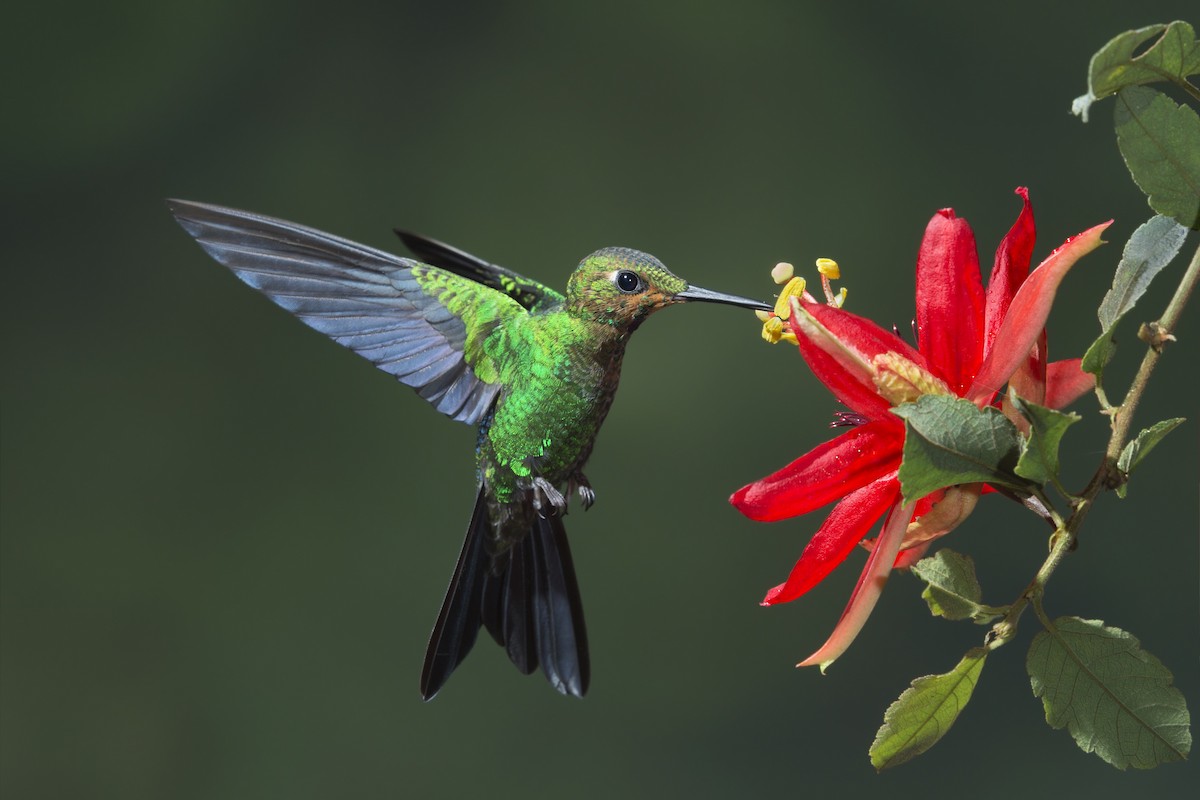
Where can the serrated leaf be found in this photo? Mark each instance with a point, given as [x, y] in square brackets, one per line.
[1160, 142]
[1149, 249]
[952, 591]
[949, 441]
[1039, 452]
[1174, 57]
[1140, 447]
[925, 711]
[1116, 699]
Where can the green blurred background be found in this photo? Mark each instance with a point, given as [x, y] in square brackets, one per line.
[225, 538]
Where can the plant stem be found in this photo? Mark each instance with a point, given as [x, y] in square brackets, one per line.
[1189, 88]
[1122, 419]
[1066, 535]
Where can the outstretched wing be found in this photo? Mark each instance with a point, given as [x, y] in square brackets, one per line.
[418, 323]
[529, 293]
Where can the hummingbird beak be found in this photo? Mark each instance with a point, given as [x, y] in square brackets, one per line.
[695, 293]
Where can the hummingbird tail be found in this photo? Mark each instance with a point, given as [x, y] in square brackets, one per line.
[530, 605]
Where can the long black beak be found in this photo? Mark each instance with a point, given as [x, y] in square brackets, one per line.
[695, 293]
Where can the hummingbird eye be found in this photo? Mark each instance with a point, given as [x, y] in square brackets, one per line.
[627, 281]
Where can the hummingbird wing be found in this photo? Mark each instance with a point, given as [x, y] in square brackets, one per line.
[529, 293]
[423, 325]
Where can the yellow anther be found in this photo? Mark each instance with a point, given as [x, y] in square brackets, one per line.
[775, 328]
[795, 288]
[782, 273]
[772, 330]
[775, 331]
[829, 269]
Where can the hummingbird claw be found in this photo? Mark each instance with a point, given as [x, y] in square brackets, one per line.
[547, 500]
[579, 483]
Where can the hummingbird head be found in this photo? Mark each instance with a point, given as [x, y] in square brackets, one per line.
[621, 287]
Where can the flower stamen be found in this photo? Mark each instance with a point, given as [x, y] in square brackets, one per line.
[830, 271]
[783, 304]
[783, 273]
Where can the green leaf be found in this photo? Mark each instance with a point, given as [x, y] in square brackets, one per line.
[1173, 58]
[953, 590]
[949, 441]
[1141, 446]
[1160, 142]
[1039, 452]
[1149, 249]
[1115, 698]
[1099, 353]
[925, 711]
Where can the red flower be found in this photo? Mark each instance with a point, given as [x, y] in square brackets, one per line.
[971, 344]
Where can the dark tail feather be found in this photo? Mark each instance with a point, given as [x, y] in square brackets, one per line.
[557, 611]
[508, 611]
[459, 620]
[531, 607]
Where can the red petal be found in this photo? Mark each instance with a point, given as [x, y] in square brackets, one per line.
[848, 390]
[845, 527]
[826, 473]
[911, 556]
[862, 334]
[847, 383]
[1066, 382]
[1029, 381]
[866, 591]
[1027, 314]
[1010, 269]
[950, 300]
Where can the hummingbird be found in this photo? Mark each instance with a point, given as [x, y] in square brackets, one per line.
[534, 370]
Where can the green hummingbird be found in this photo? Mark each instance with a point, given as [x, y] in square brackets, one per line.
[535, 370]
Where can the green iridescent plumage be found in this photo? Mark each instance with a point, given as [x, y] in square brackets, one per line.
[535, 370]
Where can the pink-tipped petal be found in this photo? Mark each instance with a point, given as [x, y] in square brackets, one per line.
[950, 303]
[828, 472]
[845, 527]
[1066, 383]
[839, 348]
[1010, 269]
[920, 509]
[1027, 314]
[866, 592]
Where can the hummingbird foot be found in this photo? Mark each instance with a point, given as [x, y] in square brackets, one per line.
[578, 482]
[548, 501]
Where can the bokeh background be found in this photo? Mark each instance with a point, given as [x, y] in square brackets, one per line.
[225, 538]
